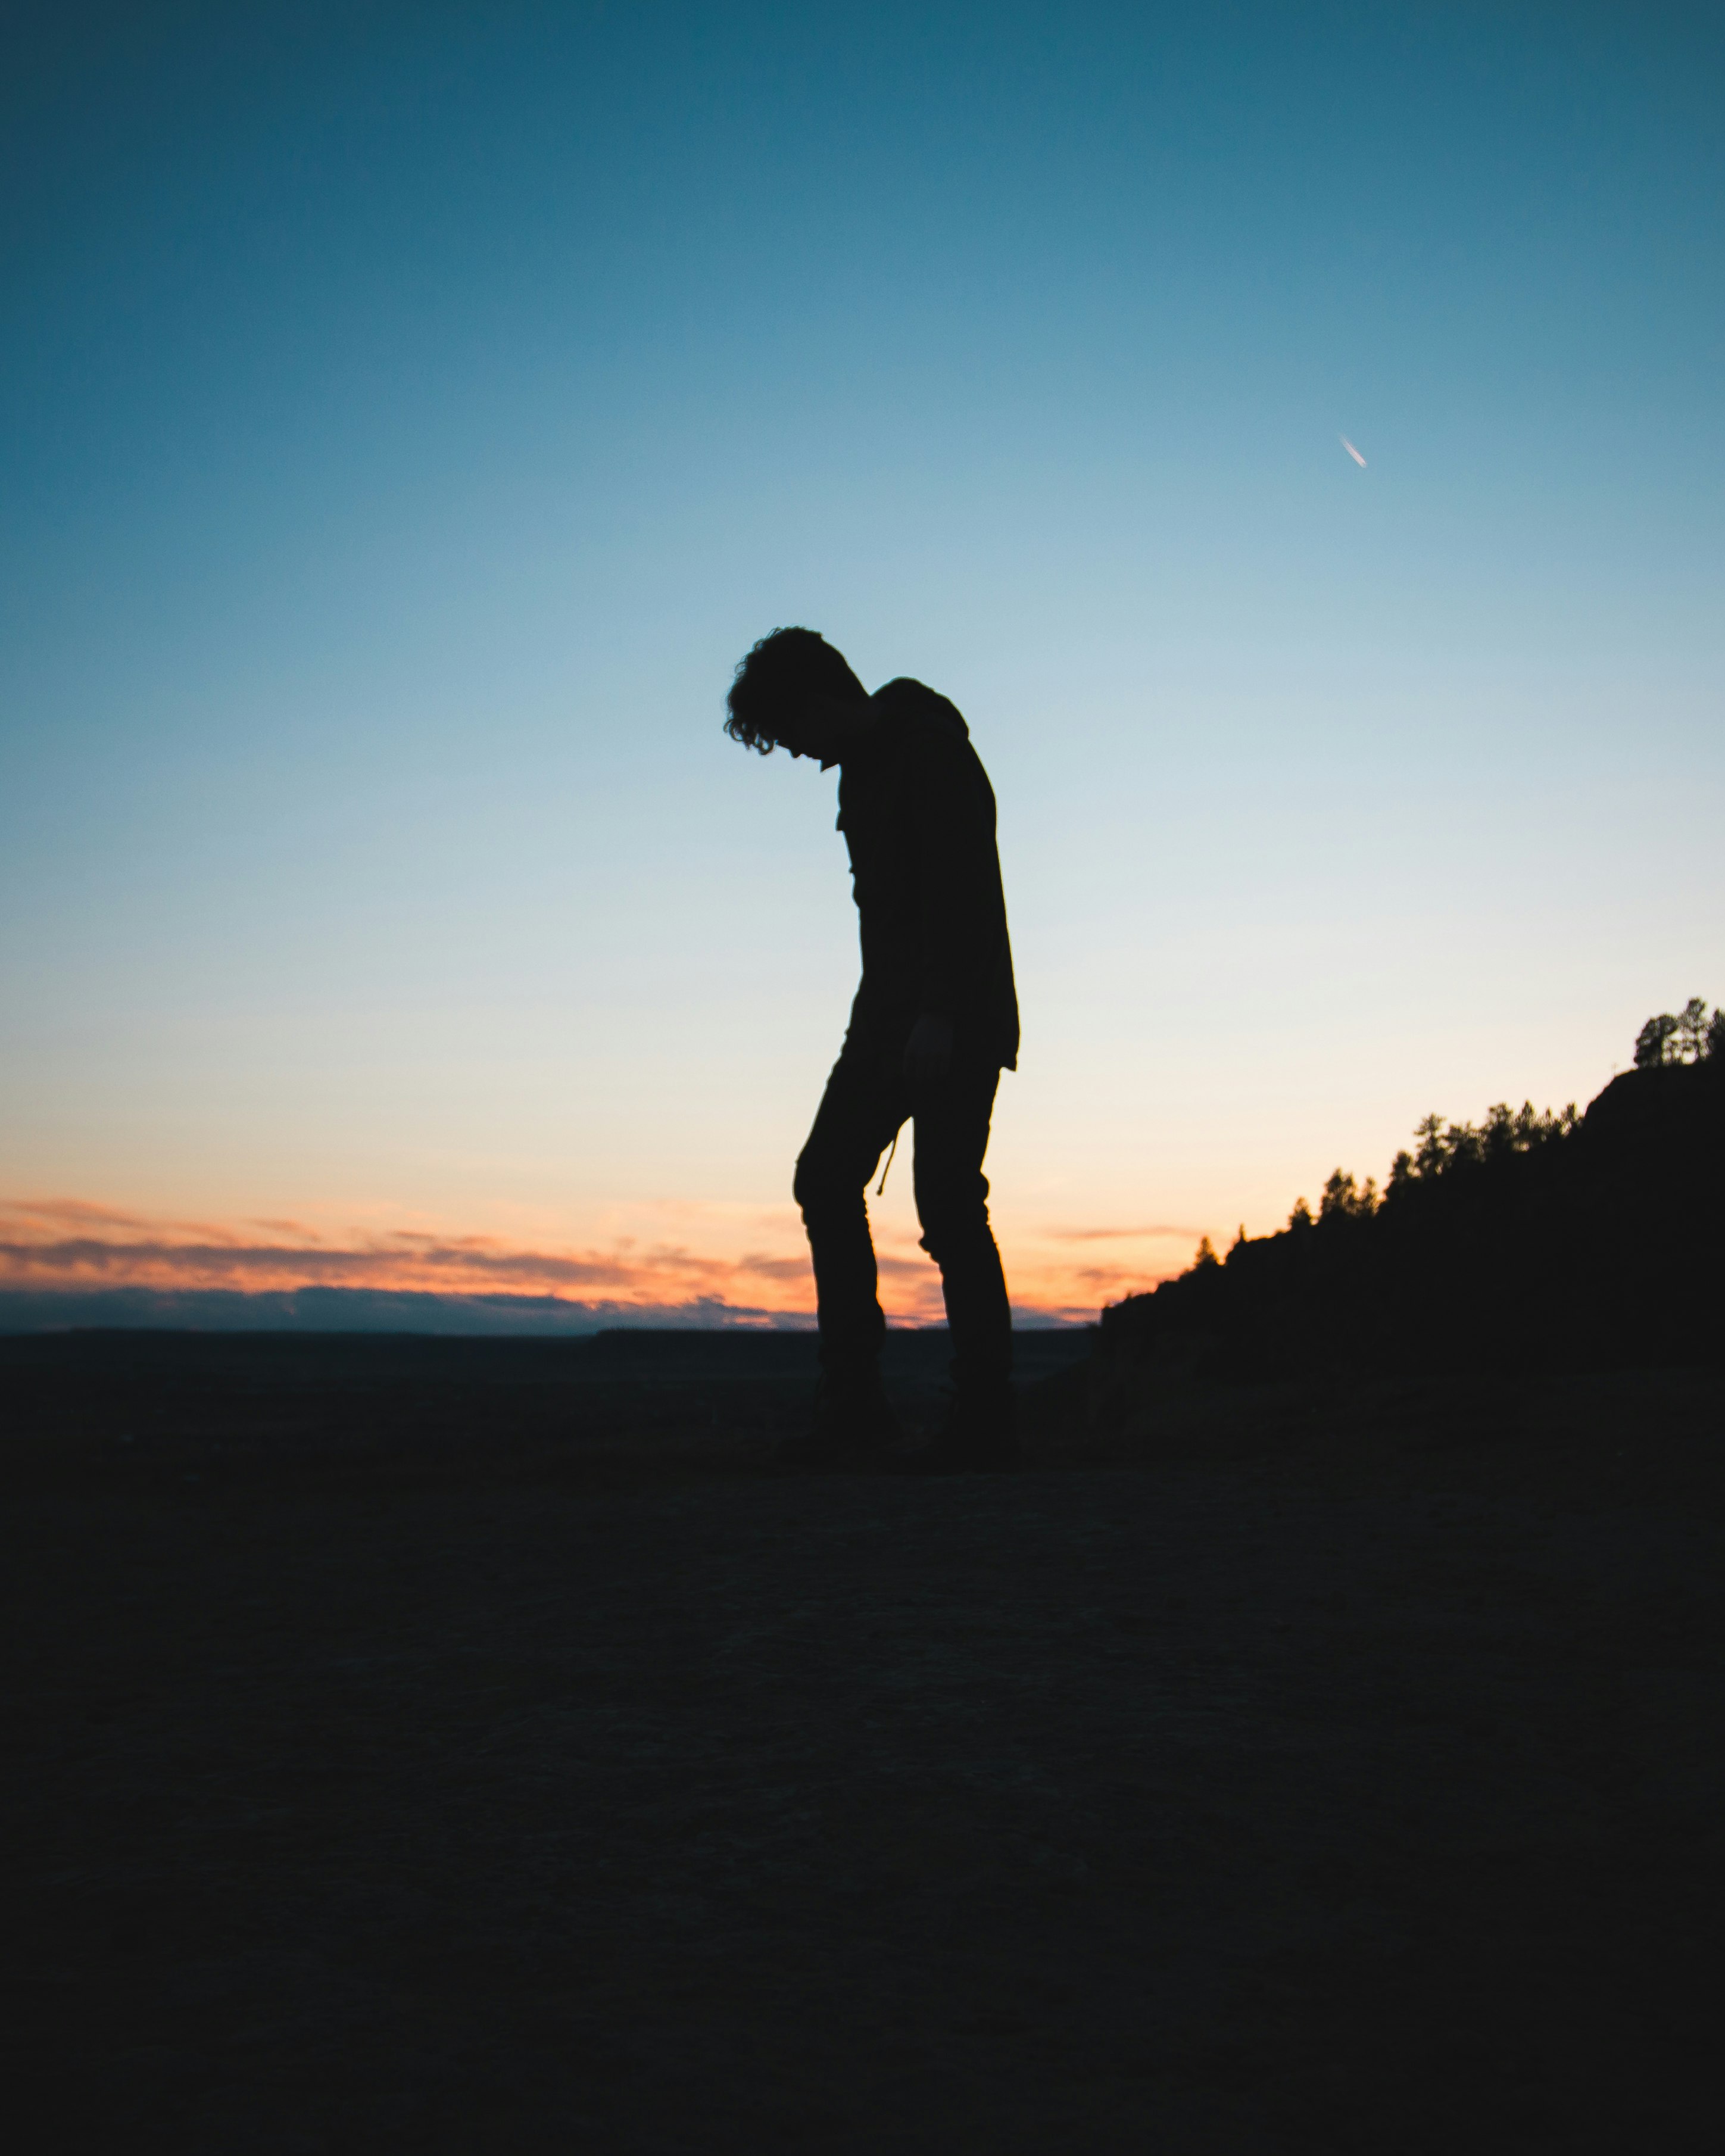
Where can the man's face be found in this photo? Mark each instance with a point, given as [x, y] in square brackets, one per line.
[822, 728]
[799, 732]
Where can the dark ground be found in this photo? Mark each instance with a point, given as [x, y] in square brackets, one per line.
[449, 1746]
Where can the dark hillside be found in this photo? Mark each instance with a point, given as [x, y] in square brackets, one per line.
[1537, 1242]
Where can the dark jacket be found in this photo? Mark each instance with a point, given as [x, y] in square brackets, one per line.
[917, 813]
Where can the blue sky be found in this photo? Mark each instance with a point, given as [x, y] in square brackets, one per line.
[412, 413]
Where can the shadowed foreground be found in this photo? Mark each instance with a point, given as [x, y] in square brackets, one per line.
[485, 1753]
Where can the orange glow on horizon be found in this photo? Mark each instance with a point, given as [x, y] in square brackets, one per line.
[71, 1245]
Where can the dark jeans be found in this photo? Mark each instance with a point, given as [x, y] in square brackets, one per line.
[867, 1101]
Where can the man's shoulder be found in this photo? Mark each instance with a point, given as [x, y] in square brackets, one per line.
[918, 706]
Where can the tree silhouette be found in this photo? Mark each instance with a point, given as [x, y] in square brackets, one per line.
[1429, 1158]
[1533, 1238]
[1343, 1200]
[1653, 1043]
[1687, 1036]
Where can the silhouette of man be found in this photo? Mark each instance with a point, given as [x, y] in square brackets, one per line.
[935, 1021]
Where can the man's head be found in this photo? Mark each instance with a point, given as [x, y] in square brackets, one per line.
[784, 690]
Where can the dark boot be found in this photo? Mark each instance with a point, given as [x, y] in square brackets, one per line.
[979, 1435]
[853, 1425]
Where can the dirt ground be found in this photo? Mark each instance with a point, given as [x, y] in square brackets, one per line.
[461, 1745]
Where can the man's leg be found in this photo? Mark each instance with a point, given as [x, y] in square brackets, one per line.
[864, 1105]
[953, 1204]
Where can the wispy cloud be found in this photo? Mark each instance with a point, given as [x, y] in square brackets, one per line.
[1106, 1281]
[1123, 1234]
[74, 1246]
[68, 1243]
[67, 1213]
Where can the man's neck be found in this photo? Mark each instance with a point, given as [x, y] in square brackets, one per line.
[852, 723]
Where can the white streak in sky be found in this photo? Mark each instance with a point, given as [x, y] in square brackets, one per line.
[1352, 451]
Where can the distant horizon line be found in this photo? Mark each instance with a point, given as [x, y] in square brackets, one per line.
[334, 1309]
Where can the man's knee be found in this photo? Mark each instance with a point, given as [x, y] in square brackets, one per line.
[821, 1191]
[955, 1218]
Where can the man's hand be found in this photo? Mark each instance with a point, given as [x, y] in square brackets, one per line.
[928, 1052]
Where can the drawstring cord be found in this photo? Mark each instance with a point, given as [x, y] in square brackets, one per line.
[881, 1187]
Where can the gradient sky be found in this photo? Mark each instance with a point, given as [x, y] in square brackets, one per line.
[412, 413]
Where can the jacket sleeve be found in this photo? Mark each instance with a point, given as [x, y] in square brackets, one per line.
[962, 923]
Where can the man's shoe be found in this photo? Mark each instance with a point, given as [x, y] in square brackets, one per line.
[853, 1426]
[979, 1435]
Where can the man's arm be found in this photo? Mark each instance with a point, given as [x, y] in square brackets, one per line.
[958, 874]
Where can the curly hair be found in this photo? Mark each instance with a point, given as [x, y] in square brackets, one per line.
[780, 672]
